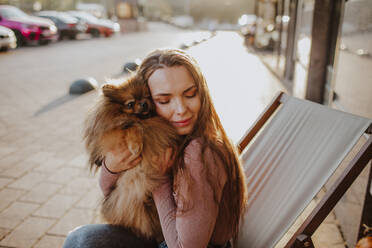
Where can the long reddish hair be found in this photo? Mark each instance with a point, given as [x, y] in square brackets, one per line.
[208, 127]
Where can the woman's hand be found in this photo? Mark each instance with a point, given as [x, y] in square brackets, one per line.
[121, 159]
[165, 161]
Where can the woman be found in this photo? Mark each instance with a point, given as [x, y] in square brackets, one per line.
[201, 204]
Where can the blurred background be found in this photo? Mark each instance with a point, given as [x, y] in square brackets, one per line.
[56, 53]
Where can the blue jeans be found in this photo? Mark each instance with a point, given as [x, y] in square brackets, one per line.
[110, 236]
[105, 236]
[227, 245]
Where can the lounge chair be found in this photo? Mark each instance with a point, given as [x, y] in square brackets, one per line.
[289, 154]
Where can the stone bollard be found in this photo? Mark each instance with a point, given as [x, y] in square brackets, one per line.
[82, 86]
[131, 66]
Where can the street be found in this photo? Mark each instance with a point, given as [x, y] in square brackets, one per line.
[40, 75]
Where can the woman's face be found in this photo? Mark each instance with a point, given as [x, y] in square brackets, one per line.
[176, 97]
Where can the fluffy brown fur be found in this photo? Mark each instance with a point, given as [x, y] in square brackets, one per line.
[124, 116]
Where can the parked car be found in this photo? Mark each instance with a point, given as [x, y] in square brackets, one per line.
[7, 39]
[68, 26]
[266, 35]
[96, 27]
[28, 29]
[111, 24]
[248, 26]
[183, 21]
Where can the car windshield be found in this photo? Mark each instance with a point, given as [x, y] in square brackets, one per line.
[11, 12]
[67, 18]
[85, 16]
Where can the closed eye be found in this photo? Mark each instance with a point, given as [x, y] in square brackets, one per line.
[191, 93]
[163, 102]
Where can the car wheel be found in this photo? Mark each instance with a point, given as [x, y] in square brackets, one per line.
[43, 42]
[95, 33]
[4, 49]
[20, 39]
[61, 36]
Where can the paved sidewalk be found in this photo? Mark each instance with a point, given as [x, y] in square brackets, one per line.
[45, 187]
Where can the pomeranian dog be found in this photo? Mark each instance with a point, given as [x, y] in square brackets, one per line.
[125, 116]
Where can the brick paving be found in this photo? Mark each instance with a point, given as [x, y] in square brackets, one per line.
[44, 179]
[45, 187]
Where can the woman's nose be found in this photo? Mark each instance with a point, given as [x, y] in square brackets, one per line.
[180, 107]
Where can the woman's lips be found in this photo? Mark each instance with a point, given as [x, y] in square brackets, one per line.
[182, 123]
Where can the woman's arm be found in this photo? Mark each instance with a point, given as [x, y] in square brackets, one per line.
[107, 180]
[194, 227]
[117, 161]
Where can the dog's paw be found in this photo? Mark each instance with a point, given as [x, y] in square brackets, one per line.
[135, 148]
[133, 137]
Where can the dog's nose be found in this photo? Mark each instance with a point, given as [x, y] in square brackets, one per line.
[144, 107]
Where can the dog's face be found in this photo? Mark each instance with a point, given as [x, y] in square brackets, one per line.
[133, 96]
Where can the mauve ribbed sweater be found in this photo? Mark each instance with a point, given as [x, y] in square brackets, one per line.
[201, 223]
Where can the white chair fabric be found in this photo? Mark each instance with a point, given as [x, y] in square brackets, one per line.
[289, 162]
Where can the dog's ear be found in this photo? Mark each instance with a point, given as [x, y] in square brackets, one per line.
[109, 90]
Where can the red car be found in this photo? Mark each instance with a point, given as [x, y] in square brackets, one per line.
[68, 26]
[96, 27]
[28, 29]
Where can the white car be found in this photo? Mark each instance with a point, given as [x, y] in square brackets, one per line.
[183, 21]
[7, 39]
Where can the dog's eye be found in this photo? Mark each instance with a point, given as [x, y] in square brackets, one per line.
[129, 105]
